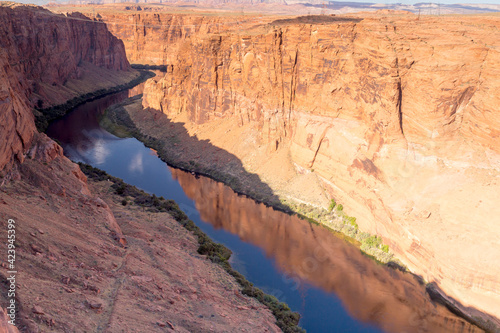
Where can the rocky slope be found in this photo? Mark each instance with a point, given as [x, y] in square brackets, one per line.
[391, 115]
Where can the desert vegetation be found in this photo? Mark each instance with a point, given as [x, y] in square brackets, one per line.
[345, 226]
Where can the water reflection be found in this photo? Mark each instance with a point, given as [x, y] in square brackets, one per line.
[136, 164]
[79, 131]
[84, 124]
[306, 253]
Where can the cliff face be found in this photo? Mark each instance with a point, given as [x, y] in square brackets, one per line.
[44, 60]
[16, 120]
[395, 117]
[48, 49]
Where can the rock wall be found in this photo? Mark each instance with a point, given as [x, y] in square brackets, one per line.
[16, 120]
[39, 53]
[395, 115]
[48, 48]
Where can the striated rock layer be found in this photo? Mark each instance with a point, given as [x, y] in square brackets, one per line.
[45, 60]
[393, 116]
[48, 49]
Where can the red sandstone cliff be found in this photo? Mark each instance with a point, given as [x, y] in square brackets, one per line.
[45, 60]
[16, 119]
[48, 48]
[394, 117]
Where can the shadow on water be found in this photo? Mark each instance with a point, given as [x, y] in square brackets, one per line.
[332, 285]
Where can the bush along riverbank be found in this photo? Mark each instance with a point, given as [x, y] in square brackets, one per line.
[117, 121]
[346, 227]
[161, 68]
[43, 117]
[286, 319]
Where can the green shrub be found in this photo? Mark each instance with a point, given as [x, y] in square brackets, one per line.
[120, 190]
[340, 207]
[351, 221]
[332, 205]
[372, 241]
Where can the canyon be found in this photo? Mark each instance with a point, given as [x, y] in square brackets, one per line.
[86, 262]
[392, 115]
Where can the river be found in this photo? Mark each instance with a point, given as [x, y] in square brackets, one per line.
[329, 282]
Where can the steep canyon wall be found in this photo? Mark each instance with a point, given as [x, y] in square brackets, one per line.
[395, 116]
[45, 59]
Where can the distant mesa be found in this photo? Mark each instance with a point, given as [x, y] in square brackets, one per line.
[315, 19]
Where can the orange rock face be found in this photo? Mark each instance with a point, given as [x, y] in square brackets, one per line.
[396, 116]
